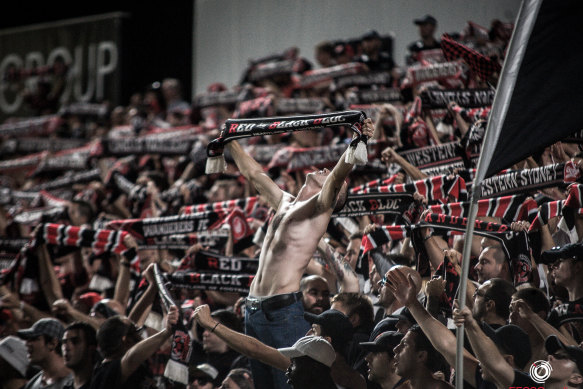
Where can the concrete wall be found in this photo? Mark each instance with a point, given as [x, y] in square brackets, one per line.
[227, 33]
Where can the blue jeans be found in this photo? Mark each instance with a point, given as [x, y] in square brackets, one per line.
[278, 328]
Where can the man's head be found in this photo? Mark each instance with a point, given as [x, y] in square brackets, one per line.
[415, 353]
[315, 294]
[492, 299]
[356, 306]
[491, 264]
[117, 335]
[371, 42]
[538, 302]
[79, 345]
[80, 212]
[512, 342]
[426, 26]
[380, 357]
[314, 184]
[202, 376]
[566, 263]
[332, 325]
[324, 54]
[353, 248]
[43, 340]
[405, 319]
[566, 362]
[311, 356]
[238, 378]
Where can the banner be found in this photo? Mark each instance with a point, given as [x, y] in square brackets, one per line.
[468, 98]
[529, 179]
[395, 204]
[220, 282]
[164, 226]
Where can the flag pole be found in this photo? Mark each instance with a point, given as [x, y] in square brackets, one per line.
[525, 21]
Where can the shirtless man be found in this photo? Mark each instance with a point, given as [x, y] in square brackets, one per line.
[274, 311]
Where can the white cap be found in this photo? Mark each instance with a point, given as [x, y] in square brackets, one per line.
[208, 370]
[314, 347]
[13, 351]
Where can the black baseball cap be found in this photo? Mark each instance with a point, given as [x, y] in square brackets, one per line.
[386, 341]
[571, 250]
[371, 34]
[553, 344]
[334, 323]
[511, 339]
[386, 324]
[404, 314]
[427, 19]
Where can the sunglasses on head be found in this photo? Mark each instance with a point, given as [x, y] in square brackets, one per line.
[382, 282]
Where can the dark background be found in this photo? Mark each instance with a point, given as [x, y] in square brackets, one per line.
[157, 36]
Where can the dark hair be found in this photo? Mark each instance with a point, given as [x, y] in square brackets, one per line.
[500, 291]
[87, 329]
[434, 361]
[355, 235]
[357, 303]
[242, 378]
[109, 336]
[49, 339]
[535, 298]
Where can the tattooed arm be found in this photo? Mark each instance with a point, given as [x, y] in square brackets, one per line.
[347, 278]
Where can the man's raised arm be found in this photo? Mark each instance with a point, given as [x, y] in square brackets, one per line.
[255, 174]
[335, 179]
[440, 336]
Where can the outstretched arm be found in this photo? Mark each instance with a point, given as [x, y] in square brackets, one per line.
[139, 353]
[335, 180]
[486, 351]
[440, 336]
[255, 174]
[241, 343]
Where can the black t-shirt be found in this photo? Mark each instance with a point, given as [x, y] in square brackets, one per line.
[107, 375]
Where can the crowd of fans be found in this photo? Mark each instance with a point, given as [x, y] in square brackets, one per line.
[126, 265]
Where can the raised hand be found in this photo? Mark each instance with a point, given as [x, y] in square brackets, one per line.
[402, 286]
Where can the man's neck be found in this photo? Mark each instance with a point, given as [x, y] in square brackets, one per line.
[82, 375]
[492, 318]
[54, 368]
[390, 381]
[575, 290]
[423, 380]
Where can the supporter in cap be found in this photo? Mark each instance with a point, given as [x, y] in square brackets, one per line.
[373, 55]
[238, 379]
[404, 319]
[566, 363]
[13, 362]
[311, 358]
[503, 353]
[427, 25]
[380, 359]
[567, 269]
[255, 349]
[43, 342]
[202, 376]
